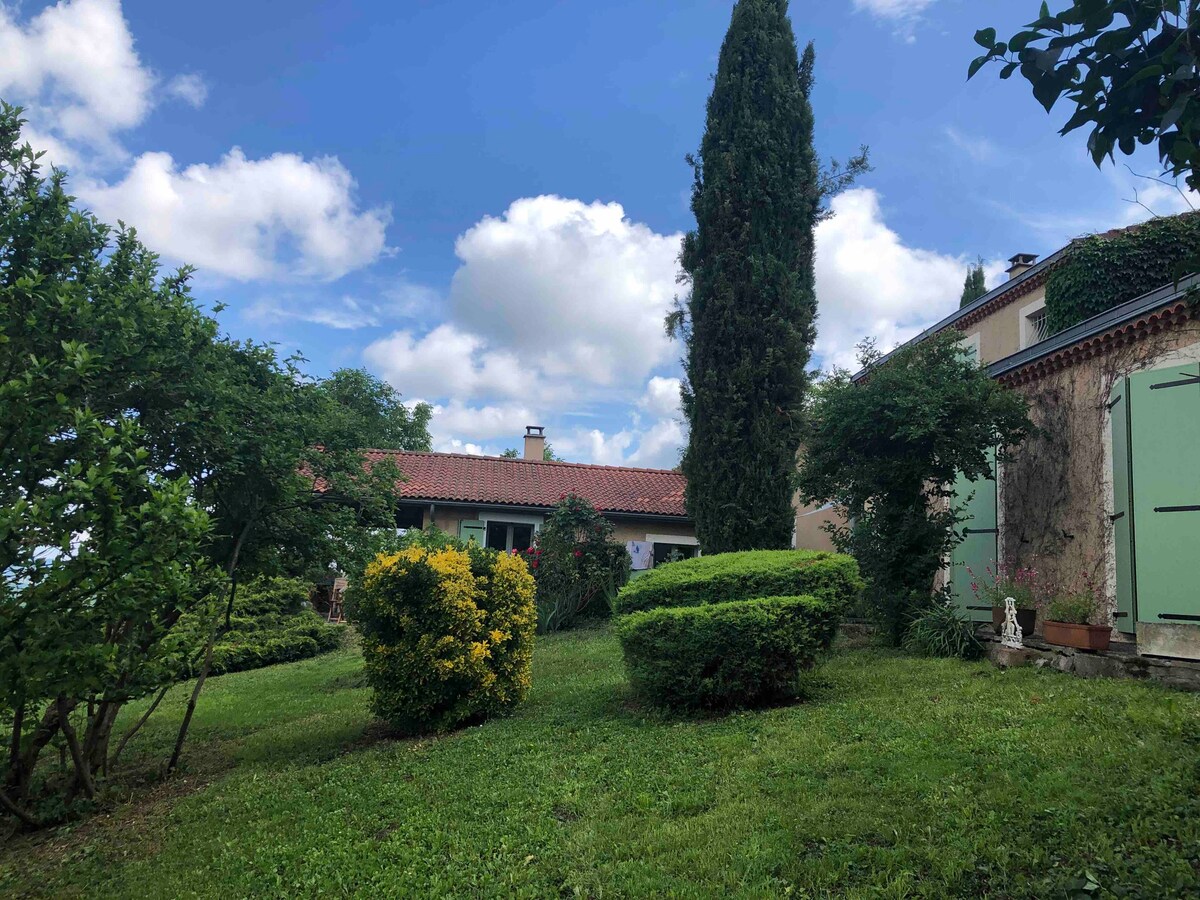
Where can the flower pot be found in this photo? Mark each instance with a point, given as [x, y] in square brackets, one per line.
[1082, 637]
[1026, 618]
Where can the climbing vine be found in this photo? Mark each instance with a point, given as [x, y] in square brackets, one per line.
[1101, 272]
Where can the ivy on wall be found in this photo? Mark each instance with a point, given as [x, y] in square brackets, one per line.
[1101, 272]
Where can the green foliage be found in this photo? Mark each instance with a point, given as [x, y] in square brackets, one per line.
[749, 322]
[577, 565]
[272, 596]
[974, 286]
[1101, 272]
[100, 549]
[1073, 609]
[1129, 68]
[829, 577]
[447, 635]
[375, 413]
[997, 583]
[887, 450]
[726, 655]
[940, 630]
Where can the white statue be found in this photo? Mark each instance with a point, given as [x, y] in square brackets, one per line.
[1010, 634]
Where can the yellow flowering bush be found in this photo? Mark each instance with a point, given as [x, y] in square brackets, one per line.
[447, 635]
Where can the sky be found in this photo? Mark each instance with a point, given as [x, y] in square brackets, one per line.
[483, 202]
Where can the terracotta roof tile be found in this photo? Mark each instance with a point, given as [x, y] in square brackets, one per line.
[520, 482]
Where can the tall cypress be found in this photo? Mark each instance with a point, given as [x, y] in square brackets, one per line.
[750, 320]
[974, 286]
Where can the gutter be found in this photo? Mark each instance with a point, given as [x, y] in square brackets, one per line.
[514, 507]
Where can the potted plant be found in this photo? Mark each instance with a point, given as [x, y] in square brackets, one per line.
[998, 583]
[1067, 622]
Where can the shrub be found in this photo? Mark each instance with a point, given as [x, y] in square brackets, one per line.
[726, 655]
[942, 631]
[271, 596]
[577, 565]
[447, 635]
[831, 577]
[1073, 609]
[997, 583]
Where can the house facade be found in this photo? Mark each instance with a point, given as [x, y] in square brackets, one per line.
[501, 503]
[1107, 490]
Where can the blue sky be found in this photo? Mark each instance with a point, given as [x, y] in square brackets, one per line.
[483, 202]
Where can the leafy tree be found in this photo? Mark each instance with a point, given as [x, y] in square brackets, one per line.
[548, 454]
[374, 409]
[100, 550]
[974, 286]
[886, 450]
[1129, 67]
[749, 323]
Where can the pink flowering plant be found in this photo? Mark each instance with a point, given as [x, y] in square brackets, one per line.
[997, 583]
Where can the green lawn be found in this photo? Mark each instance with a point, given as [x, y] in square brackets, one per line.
[899, 777]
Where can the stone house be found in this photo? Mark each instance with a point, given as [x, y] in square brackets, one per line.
[1108, 489]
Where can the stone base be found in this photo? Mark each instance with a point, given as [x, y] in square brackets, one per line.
[1119, 661]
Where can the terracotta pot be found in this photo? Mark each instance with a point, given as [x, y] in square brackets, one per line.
[1026, 618]
[1082, 637]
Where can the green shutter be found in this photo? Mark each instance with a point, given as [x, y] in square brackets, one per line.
[977, 551]
[472, 530]
[1164, 437]
[1122, 520]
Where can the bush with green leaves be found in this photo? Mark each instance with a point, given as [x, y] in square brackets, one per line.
[725, 655]
[447, 635]
[578, 566]
[886, 450]
[941, 630]
[724, 577]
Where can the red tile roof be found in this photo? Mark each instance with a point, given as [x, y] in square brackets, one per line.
[521, 482]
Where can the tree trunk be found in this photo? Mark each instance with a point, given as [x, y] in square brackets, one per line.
[112, 762]
[208, 649]
[17, 783]
[83, 773]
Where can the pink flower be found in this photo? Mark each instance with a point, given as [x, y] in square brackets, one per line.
[579, 553]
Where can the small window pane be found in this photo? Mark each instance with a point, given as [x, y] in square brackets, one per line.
[497, 535]
[522, 537]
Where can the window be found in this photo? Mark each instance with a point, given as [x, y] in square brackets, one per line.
[410, 517]
[664, 553]
[970, 346]
[508, 536]
[1033, 324]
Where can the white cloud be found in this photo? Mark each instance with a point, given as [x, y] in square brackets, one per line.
[977, 149]
[76, 62]
[448, 363]
[345, 313]
[661, 397]
[576, 286]
[870, 283]
[190, 88]
[247, 218]
[893, 9]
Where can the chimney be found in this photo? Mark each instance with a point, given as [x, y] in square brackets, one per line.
[535, 442]
[1020, 263]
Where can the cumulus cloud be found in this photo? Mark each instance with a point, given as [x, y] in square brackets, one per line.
[77, 62]
[871, 283]
[190, 88]
[449, 363]
[247, 218]
[578, 287]
[661, 397]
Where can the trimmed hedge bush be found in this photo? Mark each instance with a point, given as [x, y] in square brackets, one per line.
[725, 655]
[447, 635]
[832, 577]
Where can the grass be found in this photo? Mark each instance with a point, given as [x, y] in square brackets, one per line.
[899, 777]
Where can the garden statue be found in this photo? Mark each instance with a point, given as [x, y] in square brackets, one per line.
[1010, 634]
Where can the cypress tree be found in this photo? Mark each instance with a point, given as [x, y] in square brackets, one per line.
[749, 324]
[974, 286]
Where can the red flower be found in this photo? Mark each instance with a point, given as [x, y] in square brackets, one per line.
[579, 553]
[534, 564]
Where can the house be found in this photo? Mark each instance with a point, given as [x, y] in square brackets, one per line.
[1109, 487]
[502, 502]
